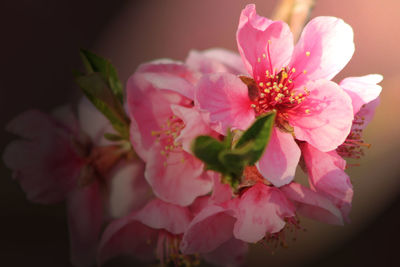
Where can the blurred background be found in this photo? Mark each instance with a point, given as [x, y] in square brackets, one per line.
[40, 42]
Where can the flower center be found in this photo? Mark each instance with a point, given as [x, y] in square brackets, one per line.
[272, 241]
[353, 145]
[275, 90]
[170, 130]
[167, 251]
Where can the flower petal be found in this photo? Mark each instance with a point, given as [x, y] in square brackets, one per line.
[177, 178]
[261, 209]
[279, 162]
[325, 117]
[208, 230]
[215, 60]
[93, 123]
[362, 90]
[324, 48]
[312, 204]
[85, 218]
[196, 123]
[45, 163]
[128, 189]
[158, 214]
[326, 175]
[231, 253]
[127, 236]
[149, 108]
[263, 43]
[225, 96]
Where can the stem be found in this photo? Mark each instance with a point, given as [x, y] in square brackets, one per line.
[294, 12]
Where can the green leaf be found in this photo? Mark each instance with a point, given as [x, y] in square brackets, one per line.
[94, 63]
[255, 139]
[208, 149]
[99, 93]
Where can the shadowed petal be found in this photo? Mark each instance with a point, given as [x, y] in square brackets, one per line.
[279, 161]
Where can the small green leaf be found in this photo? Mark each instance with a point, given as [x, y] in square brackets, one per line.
[99, 93]
[208, 149]
[255, 139]
[94, 63]
[233, 162]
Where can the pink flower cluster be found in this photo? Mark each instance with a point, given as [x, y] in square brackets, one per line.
[161, 203]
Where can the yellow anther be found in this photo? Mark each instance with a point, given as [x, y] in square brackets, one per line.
[307, 111]
[304, 71]
[277, 89]
[264, 56]
[261, 84]
[259, 60]
[253, 105]
[266, 91]
[262, 95]
[280, 85]
[308, 53]
[268, 83]
[293, 70]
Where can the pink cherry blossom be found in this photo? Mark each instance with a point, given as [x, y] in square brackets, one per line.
[57, 160]
[46, 161]
[326, 175]
[293, 80]
[164, 124]
[259, 210]
[150, 233]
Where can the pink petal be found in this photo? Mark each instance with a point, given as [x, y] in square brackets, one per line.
[149, 109]
[231, 253]
[225, 96]
[85, 218]
[128, 189]
[312, 204]
[196, 123]
[93, 122]
[366, 113]
[208, 230]
[324, 119]
[258, 36]
[362, 90]
[221, 192]
[45, 162]
[261, 209]
[130, 237]
[279, 161]
[324, 48]
[326, 174]
[177, 178]
[158, 214]
[169, 75]
[216, 60]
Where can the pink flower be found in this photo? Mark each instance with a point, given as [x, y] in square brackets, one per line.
[326, 169]
[259, 210]
[364, 92]
[164, 123]
[150, 233]
[46, 161]
[58, 160]
[294, 81]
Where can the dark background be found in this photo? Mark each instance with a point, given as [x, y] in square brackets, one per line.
[39, 48]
